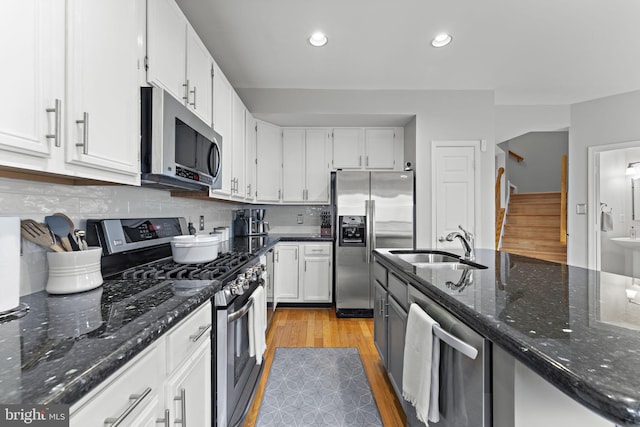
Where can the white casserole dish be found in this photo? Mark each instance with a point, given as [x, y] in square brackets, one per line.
[194, 249]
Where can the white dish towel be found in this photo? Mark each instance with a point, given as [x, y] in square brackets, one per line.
[420, 375]
[258, 325]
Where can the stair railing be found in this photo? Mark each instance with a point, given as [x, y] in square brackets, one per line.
[563, 202]
[499, 209]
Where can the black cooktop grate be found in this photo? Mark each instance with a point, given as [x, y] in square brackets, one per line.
[222, 266]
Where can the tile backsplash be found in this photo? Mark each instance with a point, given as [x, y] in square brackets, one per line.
[35, 200]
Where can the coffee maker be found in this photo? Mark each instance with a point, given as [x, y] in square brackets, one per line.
[249, 222]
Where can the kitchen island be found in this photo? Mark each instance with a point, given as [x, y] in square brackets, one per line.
[578, 329]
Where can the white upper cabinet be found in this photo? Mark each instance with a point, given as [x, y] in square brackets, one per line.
[269, 162]
[317, 166]
[70, 102]
[293, 165]
[305, 170]
[348, 147]
[368, 148]
[379, 148]
[32, 46]
[199, 77]
[250, 155]
[222, 123]
[238, 129]
[177, 59]
[103, 108]
[166, 47]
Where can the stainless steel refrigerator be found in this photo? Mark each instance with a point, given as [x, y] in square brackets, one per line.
[371, 209]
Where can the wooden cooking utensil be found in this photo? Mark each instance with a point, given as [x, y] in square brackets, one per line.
[75, 245]
[60, 228]
[39, 234]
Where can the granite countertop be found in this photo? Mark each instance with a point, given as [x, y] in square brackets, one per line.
[577, 328]
[68, 344]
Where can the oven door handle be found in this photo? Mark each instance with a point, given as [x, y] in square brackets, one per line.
[238, 314]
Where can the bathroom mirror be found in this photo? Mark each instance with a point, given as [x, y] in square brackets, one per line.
[635, 199]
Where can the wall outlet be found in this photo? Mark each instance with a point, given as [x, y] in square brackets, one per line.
[201, 222]
[300, 219]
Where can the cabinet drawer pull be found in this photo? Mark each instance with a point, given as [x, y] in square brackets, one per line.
[166, 420]
[57, 110]
[137, 399]
[200, 333]
[317, 250]
[183, 408]
[85, 133]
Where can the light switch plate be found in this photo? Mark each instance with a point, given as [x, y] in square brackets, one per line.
[201, 222]
[300, 219]
[581, 209]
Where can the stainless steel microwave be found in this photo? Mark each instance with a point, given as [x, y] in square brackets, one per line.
[178, 150]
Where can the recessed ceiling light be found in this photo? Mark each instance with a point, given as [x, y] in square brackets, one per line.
[441, 40]
[318, 39]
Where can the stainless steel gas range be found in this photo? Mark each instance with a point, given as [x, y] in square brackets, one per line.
[138, 250]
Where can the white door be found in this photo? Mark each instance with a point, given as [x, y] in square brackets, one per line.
[250, 155]
[103, 112]
[166, 47]
[199, 79]
[32, 46]
[236, 144]
[222, 123]
[348, 145]
[269, 166]
[293, 165]
[317, 165]
[454, 191]
[379, 148]
[285, 273]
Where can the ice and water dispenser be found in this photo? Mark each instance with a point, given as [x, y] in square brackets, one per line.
[352, 230]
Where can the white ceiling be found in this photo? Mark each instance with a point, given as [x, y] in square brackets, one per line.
[528, 51]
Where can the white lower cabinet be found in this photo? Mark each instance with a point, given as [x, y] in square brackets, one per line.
[167, 384]
[302, 272]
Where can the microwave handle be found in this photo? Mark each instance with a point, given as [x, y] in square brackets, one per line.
[214, 158]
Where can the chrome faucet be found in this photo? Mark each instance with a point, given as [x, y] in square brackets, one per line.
[467, 242]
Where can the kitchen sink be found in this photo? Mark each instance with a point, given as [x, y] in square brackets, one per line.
[435, 259]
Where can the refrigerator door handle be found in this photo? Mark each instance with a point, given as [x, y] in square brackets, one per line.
[372, 221]
[367, 237]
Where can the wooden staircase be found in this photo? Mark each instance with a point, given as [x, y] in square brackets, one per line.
[532, 226]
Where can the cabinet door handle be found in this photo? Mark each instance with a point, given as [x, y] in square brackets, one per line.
[57, 110]
[186, 91]
[201, 330]
[367, 161]
[360, 161]
[381, 306]
[85, 133]
[249, 190]
[137, 399]
[183, 408]
[305, 265]
[193, 104]
[279, 194]
[166, 420]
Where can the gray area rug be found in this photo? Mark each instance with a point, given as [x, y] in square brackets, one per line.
[317, 387]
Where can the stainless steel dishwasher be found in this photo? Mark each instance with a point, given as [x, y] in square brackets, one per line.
[465, 383]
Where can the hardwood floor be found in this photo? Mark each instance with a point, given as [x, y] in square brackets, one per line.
[311, 327]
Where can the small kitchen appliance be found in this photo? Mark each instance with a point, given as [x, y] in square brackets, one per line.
[138, 252]
[249, 222]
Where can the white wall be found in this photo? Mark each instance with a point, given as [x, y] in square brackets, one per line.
[440, 115]
[516, 120]
[541, 169]
[35, 200]
[599, 122]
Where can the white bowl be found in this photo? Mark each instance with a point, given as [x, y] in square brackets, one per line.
[194, 249]
[71, 272]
